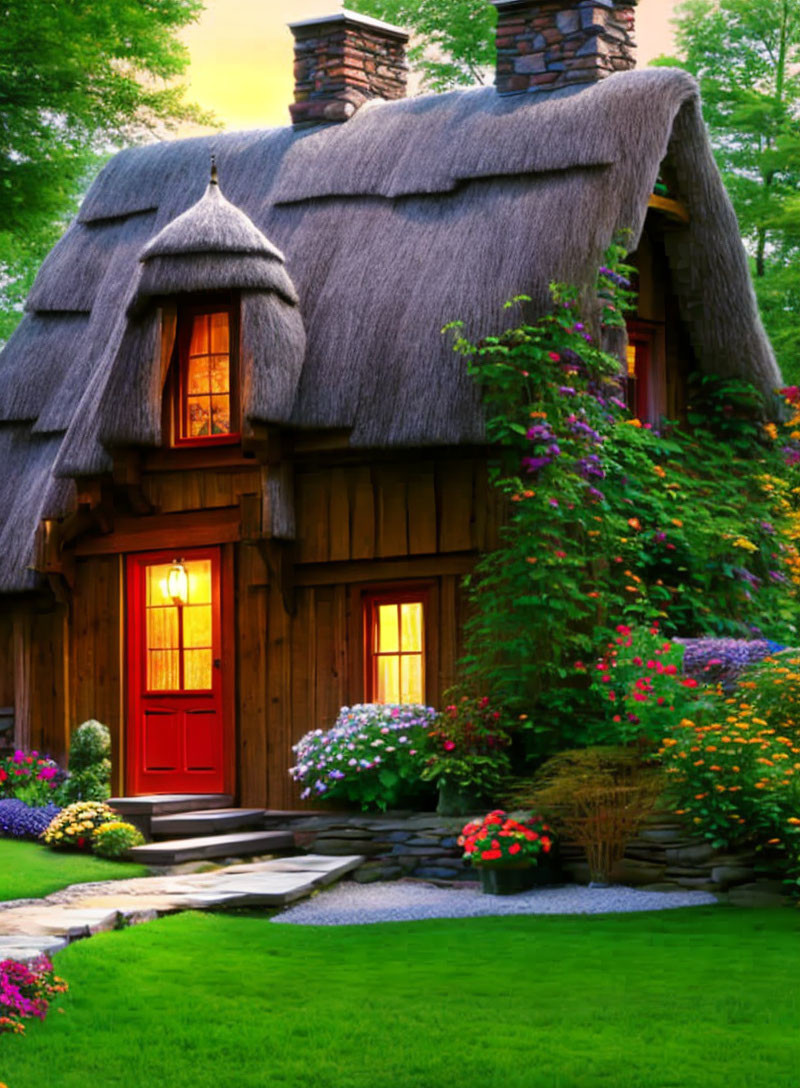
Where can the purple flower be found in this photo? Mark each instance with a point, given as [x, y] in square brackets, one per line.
[594, 494]
[566, 391]
[533, 464]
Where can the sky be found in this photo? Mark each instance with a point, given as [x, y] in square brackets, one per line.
[241, 54]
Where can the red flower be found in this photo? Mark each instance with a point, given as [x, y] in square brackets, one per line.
[491, 855]
[449, 745]
[514, 848]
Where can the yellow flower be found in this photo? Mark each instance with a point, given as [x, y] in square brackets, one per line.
[743, 542]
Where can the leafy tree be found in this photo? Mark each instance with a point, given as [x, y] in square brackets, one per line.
[453, 40]
[745, 55]
[77, 77]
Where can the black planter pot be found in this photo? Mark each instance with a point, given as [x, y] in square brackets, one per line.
[513, 879]
[454, 801]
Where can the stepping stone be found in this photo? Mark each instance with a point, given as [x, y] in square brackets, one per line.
[213, 821]
[30, 948]
[159, 804]
[324, 868]
[69, 922]
[174, 851]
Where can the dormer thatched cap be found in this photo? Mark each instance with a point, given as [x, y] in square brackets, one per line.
[212, 226]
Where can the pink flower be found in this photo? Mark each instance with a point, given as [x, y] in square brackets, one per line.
[449, 745]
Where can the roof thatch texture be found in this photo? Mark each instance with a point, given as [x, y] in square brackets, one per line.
[411, 214]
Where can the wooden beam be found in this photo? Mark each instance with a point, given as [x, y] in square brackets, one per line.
[672, 209]
[22, 679]
[383, 570]
[219, 458]
[199, 528]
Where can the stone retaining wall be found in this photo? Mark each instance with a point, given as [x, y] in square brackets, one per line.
[665, 855]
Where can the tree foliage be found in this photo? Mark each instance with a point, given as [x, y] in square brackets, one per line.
[452, 40]
[77, 77]
[745, 55]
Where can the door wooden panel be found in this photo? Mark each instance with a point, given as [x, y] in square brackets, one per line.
[177, 674]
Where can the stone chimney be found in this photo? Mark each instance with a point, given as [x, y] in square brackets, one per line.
[546, 44]
[341, 61]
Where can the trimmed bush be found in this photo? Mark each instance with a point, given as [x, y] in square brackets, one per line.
[75, 824]
[21, 821]
[89, 764]
[115, 839]
[373, 756]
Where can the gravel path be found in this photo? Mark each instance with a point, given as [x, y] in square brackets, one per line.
[349, 903]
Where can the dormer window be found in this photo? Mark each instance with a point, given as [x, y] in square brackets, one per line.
[205, 388]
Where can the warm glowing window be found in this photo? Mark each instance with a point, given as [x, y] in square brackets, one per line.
[638, 375]
[395, 630]
[206, 409]
[179, 634]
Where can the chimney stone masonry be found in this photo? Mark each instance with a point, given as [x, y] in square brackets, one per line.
[342, 61]
[547, 44]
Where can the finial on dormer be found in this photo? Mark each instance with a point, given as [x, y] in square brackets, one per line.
[214, 174]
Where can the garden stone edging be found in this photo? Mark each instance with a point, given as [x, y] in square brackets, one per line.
[665, 855]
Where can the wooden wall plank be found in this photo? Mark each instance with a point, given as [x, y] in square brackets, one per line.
[422, 510]
[251, 655]
[448, 635]
[6, 658]
[49, 691]
[331, 655]
[22, 633]
[279, 698]
[313, 529]
[339, 517]
[392, 519]
[362, 501]
[96, 647]
[454, 488]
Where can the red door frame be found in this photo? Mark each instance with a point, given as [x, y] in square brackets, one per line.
[222, 580]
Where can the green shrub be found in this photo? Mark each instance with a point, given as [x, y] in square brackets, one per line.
[115, 839]
[467, 749]
[371, 757]
[73, 826]
[734, 769]
[89, 764]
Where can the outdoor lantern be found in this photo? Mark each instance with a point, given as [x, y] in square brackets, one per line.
[178, 583]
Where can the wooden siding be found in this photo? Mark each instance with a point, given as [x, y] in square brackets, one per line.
[95, 650]
[295, 672]
[358, 512]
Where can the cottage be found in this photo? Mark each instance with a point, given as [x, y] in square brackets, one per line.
[243, 471]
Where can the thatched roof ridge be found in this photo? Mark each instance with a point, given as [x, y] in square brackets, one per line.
[410, 215]
[212, 225]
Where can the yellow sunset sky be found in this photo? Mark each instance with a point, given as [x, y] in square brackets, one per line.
[241, 54]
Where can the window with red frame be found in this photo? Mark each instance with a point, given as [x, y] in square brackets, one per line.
[639, 374]
[394, 628]
[206, 398]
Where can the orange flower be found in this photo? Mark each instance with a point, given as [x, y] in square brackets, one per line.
[634, 522]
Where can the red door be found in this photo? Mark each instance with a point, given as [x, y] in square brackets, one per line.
[176, 729]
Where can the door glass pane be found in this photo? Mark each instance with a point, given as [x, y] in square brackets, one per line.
[411, 624]
[199, 572]
[157, 592]
[197, 626]
[388, 640]
[411, 686]
[162, 628]
[163, 670]
[388, 679]
[197, 670]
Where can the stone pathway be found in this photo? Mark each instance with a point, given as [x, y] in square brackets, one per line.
[29, 928]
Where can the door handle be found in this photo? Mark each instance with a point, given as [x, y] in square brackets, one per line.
[217, 662]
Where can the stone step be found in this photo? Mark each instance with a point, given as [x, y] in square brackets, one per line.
[175, 851]
[163, 804]
[211, 821]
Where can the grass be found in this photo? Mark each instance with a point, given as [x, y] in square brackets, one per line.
[699, 998]
[28, 870]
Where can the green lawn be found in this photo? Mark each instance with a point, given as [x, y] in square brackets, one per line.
[28, 870]
[683, 999]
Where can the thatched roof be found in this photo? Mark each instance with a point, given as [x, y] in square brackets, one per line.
[411, 214]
